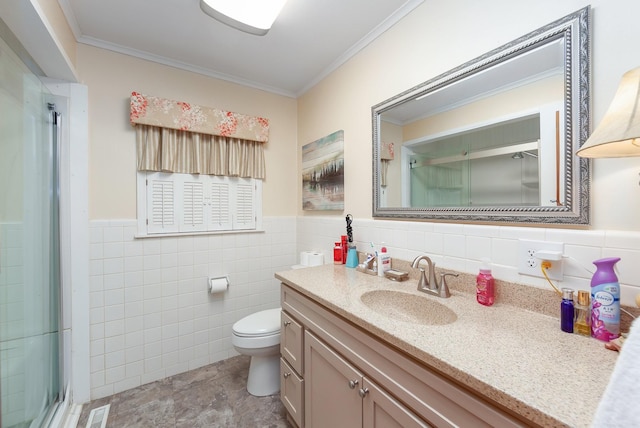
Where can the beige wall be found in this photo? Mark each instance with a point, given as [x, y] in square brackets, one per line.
[111, 77]
[442, 34]
[424, 44]
[56, 19]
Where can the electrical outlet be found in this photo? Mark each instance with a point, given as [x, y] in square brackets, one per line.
[529, 264]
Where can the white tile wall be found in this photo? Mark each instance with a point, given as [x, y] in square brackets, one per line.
[11, 281]
[151, 314]
[460, 247]
[12, 346]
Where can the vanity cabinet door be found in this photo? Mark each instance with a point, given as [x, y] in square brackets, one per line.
[331, 388]
[291, 342]
[380, 410]
[291, 392]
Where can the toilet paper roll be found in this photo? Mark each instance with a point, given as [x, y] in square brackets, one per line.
[304, 258]
[316, 259]
[311, 258]
[218, 284]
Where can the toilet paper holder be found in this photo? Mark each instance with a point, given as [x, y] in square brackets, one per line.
[218, 284]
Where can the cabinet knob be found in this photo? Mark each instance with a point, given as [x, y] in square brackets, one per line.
[353, 384]
[286, 375]
[363, 392]
[286, 323]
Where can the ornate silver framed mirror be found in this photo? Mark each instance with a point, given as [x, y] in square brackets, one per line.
[494, 139]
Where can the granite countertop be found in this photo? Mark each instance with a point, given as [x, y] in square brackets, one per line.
[517, 358]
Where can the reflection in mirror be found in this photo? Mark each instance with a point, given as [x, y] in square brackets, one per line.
[494, 139]
[459, 170]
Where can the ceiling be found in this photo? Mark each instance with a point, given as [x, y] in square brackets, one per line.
[309, 39]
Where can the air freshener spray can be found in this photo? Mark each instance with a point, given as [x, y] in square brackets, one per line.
[605, 301]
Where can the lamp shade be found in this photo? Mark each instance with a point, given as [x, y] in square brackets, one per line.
[618, 135]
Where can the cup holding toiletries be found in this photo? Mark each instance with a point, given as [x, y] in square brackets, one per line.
[352, 257]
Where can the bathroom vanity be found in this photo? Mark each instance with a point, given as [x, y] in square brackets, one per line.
[359, 350]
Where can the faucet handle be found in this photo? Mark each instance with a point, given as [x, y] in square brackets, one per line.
[422, 282]
[444, 288]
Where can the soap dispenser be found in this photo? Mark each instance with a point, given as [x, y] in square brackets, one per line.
[384, 261]
[485, 284]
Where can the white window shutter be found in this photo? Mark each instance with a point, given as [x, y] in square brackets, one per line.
[219, 204]
[193, 216]
[185, 203]
[245, 216]
[161, 212]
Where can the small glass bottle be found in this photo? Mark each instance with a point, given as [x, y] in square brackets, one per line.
[566, 311]
[582, 316]
[337, 253]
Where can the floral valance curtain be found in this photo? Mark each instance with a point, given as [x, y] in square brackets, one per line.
[174, 136]
[166, 113]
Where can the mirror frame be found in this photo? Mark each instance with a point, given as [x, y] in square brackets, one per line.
[574, 29]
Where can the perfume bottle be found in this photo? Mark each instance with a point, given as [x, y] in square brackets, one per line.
[582, 318]
[566, 311]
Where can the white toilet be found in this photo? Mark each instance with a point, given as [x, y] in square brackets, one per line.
[258, 335]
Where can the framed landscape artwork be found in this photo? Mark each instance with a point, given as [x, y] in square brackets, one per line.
[323, 173]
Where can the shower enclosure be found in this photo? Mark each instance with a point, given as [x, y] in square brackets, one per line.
[494, 165]
[30, 340]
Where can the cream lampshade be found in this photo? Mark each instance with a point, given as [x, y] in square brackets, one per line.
[618, 135]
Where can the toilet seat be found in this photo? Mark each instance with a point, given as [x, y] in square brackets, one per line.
[255, 342]
[259, 324]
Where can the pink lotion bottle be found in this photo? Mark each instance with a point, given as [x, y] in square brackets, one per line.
[485, 291]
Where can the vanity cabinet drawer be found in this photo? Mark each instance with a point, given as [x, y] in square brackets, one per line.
[291, 342]
[291, 392]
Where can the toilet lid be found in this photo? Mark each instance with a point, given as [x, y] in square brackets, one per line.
[261, 323]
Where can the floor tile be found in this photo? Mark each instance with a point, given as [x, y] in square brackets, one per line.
[211, 396]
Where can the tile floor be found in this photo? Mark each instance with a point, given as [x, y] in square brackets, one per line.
[212, 396]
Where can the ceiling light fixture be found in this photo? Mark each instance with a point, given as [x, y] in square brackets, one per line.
[250, 16]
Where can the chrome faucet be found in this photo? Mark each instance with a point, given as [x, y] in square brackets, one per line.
[431, 285]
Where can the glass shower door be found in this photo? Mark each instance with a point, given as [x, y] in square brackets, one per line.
[29, 267]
